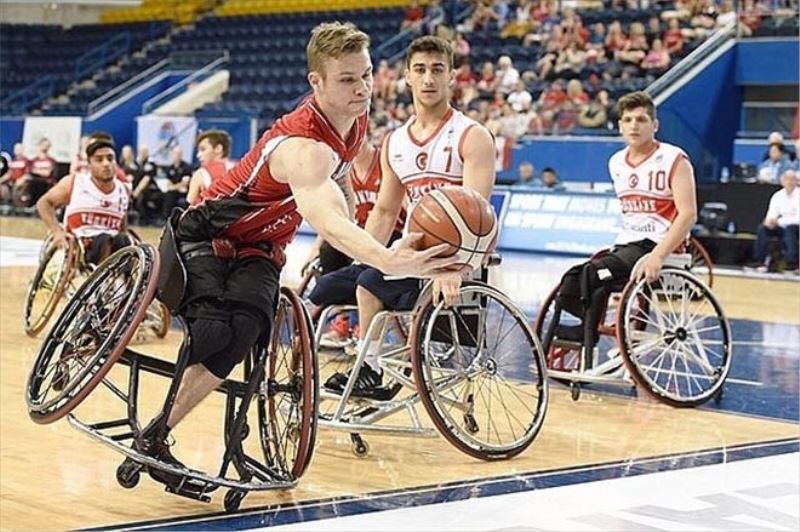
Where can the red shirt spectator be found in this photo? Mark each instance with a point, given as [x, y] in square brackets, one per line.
[673, 37]
[554, 97]
[19, 165]
[44, 166]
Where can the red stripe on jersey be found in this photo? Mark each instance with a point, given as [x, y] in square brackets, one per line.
[674, 168]
[639, 203]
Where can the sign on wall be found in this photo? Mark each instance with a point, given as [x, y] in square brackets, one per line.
[163, 133]
[63, 132]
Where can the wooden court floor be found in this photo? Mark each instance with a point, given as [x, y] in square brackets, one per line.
[54, 477]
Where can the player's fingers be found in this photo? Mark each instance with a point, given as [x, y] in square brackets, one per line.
[436, 250]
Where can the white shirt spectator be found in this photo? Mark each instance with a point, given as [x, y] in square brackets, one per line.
[785, 207]
[520, 100]
[508, 79]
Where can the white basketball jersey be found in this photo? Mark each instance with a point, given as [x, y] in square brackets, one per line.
[645, 192]
[91, 212]
[425, 165]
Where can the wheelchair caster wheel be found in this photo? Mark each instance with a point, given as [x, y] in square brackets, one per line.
[233, 499]
[575, 391]
[470, 424]
[360, 447]
[128, 474]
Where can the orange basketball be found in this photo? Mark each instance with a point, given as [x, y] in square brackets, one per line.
[457, 216]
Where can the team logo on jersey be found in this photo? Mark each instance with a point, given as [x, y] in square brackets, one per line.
[633, 180]
[422, 160]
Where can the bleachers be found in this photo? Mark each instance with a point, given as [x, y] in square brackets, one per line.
[31, 52]
[180, 11]
[234, 8]
[267, 57]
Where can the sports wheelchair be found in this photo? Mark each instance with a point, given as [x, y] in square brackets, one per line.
[92, 334]
[476, 367]
[60, 272]
[669, 337]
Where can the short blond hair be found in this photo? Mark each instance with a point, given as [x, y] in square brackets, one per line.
[332, 40]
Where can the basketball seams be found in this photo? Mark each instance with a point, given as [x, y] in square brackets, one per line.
[455, 216]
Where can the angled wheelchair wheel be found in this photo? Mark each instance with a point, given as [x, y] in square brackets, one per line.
[674, 338]
[47, 287]
[480, 372]
[289, 397]
[701, 265]
[157, 319]
[91, 333]
[309, 279]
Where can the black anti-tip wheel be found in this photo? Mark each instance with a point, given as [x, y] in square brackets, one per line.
[233, 499]
[128, 474]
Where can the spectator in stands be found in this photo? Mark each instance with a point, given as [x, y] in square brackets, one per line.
[726, 15]
[434, 16]
[657, 59]
[465, 90]
[520, 99]
[80, 162]
[127, 161]
[11, 182]
[778, 162]
[544, 65]
[487, 83]
[750, 17]
[634, 50]
[776, 137]
[570, 62]
[41, 175]
[507, 75]
[597, 37]
[146, 194]
[413, 17]
[673, 37]
[782, 219]
[653, 30]
[595, 114]
[385, 78]
[550, 179]
[704, 14]
[615, 38]
[461, 49]
[576, 100]
[178, 173]
[525, 176]
[521, 24]
[550, 103]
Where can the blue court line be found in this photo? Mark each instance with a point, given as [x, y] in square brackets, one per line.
[314, 510]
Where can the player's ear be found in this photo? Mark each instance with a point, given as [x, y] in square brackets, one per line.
[314, 79]
[655, 126]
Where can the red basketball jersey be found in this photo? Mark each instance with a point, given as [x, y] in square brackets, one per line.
[366, 191]
[249, 204]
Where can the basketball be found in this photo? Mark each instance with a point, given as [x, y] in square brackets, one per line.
[459, 217]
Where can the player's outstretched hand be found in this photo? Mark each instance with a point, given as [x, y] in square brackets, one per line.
[407, 261]
[60, 239]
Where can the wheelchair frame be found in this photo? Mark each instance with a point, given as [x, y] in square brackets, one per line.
[124, 434]
[616, 370]
[358, 415]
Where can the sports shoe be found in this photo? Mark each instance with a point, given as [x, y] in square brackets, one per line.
[338, 334]
[158, 447]
[368, 382]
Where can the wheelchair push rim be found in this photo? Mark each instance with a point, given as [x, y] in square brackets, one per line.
[681, 353]
[487, 392]
[33, 321]
[87, 323]
[288, 402]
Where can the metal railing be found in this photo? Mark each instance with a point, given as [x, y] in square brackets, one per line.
[103, 54]
[20, 101]
[199, 75]
[99, 102]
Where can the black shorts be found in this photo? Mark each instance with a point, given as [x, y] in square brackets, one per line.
[252, 281]
[96, 247]
[339, 288]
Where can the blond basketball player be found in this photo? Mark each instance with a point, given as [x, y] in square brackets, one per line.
[243, 222]
[655, 184]
[438, 146]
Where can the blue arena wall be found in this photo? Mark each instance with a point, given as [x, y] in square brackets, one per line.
[768, 62]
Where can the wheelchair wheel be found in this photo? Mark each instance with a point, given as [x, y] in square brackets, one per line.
[56, 268]
[480, 372]
[676, 341]
[288, 402]
[701, 265]
[561, 358]
[91, 333]
[157, 319]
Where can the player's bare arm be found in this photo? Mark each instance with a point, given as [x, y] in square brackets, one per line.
[307, 166]
[479, 156]
[56, 197]
[195, 185]
[391, 195]
[683, 191]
